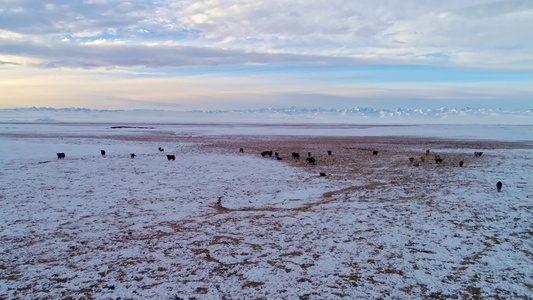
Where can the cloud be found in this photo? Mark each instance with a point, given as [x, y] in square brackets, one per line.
[396, 31]
[116, 53]
[70, 17]
[494, 8]
[104, 42]
[7, 63]
[275, 31]
[449, 30]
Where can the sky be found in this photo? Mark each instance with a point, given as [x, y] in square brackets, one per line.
[239, 54]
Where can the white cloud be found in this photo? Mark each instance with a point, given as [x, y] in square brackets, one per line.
[199, 19]
[408, 27]
[11, 60]
[454, 33]
[107, 42]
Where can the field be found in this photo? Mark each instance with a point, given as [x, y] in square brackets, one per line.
[376, 226]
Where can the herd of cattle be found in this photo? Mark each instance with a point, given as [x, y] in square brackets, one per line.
[311, 160]
[132, 155]
[295, 155]
[415, 162]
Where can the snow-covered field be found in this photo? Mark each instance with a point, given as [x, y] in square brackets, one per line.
[89, 227]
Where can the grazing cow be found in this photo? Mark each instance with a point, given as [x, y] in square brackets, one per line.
[375, 152]
[308, 154]
[171, 157]
[102, 152]
[161, 149]
[322, 174]
[329, 153]
[295, 155]
[478, 154]
[60, 155]
[311, 160]
[499, 185]
[265, 153]
[132, 155]
[241, 150]
[427, 152]
[461, 163]
[279, 158]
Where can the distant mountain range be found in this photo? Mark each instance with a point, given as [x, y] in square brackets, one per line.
[382, 113]
[51, 109]
[291, 114]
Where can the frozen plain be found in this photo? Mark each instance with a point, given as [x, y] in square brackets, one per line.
[89, 227]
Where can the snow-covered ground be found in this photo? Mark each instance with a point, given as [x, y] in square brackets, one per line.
[89, 227]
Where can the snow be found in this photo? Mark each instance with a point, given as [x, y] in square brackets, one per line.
[375, 227]
[497, 132]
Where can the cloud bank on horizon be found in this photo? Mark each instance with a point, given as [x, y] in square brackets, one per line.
[212, 54]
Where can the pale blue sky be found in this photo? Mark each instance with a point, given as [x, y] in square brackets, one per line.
[236, 54]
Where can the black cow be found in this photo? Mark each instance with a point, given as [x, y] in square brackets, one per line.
[478, 154]
[279, 158]
[375, 152]
[161, 149]
[171, 157]
[276, 154]
[322, 174]
[102, 152]
[329, 153]
[311, 160]
[132, 155]
[295, 155]
[60, 155]
[241, 150]
[499, 185]
[265, 153]
[309, 154]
